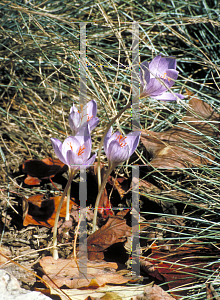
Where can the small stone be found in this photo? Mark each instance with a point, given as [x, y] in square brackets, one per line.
[11, 290]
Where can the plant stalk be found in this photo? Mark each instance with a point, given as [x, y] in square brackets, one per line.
[68, 202]
[108, 172]
[71, 175]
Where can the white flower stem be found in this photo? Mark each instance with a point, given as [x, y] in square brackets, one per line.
[71, 175]
[68, 203]
[101, 189]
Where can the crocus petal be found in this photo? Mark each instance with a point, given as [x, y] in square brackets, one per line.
[78, 120]
[83, 134]
[118, 148]
[114, 137]
[106, 139]
[76, 163]
[144, 74]
[166, 63]
[89, 162]
[73, 109]
[73, 160]
[171, 76]
[169, 97]
[70, 144]
[74, 120]
[86, 149]
[132, 139]
[93, 123]
[163, 75]
[57, 147]
[155, 88]
[153, 65]
[159, 65]
[117, 154]
[92, 108]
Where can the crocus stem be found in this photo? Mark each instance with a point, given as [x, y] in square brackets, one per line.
[108, 172]
[68, 202]
[71, 175]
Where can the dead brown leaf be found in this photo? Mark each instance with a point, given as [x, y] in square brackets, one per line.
[46, 168]
[107, 296]
[114, 231]
[150, 191]
[121, 184]
[182, 265]
[186, 144]
[6, 252]
[41, 210]
[65, 272]
[153, 293]
[111, 296]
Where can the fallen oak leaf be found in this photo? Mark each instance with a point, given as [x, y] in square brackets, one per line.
[114, 231]
[151, 202]
[154, 292]
[182, 265]
[29, 180]
[157, 195]
[170, 157]
[151, 269]
[186, 144]
[174, 157]
[41, 210]
[126, 292]
[65, 272]
[199, 115]
[111, 296]
[119, 183]
[201, 118]
[46, 168]
[105, 207]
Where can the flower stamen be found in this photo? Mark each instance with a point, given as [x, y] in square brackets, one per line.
[81, 150]
[70, 145]
[82, 113]
[121, 140]
[89, 118]
[164, 76]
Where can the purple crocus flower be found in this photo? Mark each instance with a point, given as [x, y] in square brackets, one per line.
[75, 150]
[118, 148]
[87, 115]
[163, 68]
